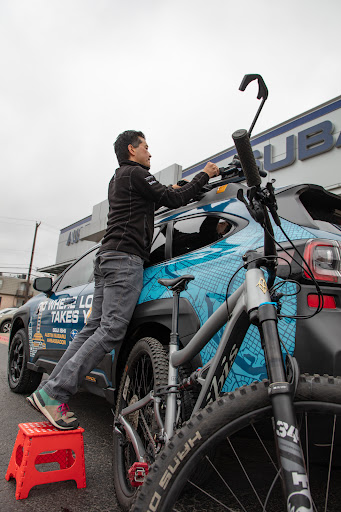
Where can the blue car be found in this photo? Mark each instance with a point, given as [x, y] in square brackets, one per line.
[207, 238]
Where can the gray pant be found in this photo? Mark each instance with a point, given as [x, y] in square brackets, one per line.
[118, 284]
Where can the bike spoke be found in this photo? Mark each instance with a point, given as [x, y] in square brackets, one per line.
[210, 496]
[307, 451]
[265, 449]
[279, 473]
[225, 483]
[245, 473]
[330, 463]
[146, 428]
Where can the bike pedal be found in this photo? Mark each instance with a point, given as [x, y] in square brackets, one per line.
[137, 473]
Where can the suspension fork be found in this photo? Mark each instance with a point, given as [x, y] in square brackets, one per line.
[294, 475]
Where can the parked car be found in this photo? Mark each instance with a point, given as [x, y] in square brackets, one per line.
[206, 238]
[6, 316]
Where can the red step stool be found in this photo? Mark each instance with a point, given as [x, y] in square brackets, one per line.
[42, 443]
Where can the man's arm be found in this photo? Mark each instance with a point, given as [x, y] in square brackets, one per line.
[146, 184]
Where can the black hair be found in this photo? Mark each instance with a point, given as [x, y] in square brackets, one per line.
[122, 142]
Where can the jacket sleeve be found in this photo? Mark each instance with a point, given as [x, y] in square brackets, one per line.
[147, 186]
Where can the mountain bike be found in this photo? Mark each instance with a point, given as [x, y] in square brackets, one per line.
[300, 412]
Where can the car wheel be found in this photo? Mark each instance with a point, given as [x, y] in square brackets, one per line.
[6, 326]
[20, 378]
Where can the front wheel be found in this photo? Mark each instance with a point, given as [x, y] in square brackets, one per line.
[237, 429]
[20, 378]
[146, 370]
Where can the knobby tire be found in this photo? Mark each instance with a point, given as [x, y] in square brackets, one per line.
[242, 421]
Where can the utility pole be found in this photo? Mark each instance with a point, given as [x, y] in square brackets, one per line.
[32, 254]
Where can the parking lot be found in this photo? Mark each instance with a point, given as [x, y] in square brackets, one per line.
[95, 417]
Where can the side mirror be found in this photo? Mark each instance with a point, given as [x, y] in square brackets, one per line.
[43, 284]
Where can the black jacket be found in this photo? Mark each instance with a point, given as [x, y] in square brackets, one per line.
[133, 194]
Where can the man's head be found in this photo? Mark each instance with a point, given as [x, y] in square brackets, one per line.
[132, 145]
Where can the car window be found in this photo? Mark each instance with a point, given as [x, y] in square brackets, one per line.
[157, 252]
[80, 273]
[195, 232]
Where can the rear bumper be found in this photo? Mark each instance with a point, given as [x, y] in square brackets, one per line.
[318, 339]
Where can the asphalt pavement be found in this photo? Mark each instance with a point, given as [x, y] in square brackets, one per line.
[95, 417]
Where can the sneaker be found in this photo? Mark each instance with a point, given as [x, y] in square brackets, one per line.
[30, 400]
[54, 411]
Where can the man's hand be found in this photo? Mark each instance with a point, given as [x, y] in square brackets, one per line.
[211, 169]
[180, 184]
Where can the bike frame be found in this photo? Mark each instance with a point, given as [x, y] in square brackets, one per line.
[247, 298]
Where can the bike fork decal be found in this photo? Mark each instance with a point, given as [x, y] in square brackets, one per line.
[299, 498]
[284, 430]
[299, 501]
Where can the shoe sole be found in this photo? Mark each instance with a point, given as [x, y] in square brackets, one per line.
[47, 415]
[31, 402]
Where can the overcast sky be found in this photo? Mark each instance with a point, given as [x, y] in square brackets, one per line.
[76, 73]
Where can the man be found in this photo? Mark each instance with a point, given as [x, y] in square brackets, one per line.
[133, 194]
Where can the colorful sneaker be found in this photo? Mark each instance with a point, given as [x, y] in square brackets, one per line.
[30, 400]
[54, 411]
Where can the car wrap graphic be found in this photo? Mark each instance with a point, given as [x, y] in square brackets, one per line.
[213, 268]
[56, 320]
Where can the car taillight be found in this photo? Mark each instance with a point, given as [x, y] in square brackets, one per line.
[324, 260]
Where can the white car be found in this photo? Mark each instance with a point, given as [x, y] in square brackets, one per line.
[6, 316]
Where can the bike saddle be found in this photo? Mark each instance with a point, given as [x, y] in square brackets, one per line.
[178, 283]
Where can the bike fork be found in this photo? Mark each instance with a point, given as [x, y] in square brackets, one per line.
[293, 471]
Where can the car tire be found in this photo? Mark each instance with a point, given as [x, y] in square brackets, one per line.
[149, 360]
[20, 378]
[6, 326]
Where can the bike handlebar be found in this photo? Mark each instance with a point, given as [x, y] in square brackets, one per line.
[247, 159]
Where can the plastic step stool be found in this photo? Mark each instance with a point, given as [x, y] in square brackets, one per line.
[42, 443]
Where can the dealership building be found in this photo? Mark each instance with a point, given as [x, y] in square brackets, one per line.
[304, 149]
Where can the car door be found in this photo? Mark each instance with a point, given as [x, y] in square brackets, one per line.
[63, 312]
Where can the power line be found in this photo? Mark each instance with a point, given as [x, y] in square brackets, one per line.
[16, 219]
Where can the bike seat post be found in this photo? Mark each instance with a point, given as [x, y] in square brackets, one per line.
[174, 335]
[171, 408]
[176, 285]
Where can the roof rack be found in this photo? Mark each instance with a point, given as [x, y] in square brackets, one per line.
[233, 173]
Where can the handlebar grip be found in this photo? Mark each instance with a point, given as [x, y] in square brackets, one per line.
[247, 159]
